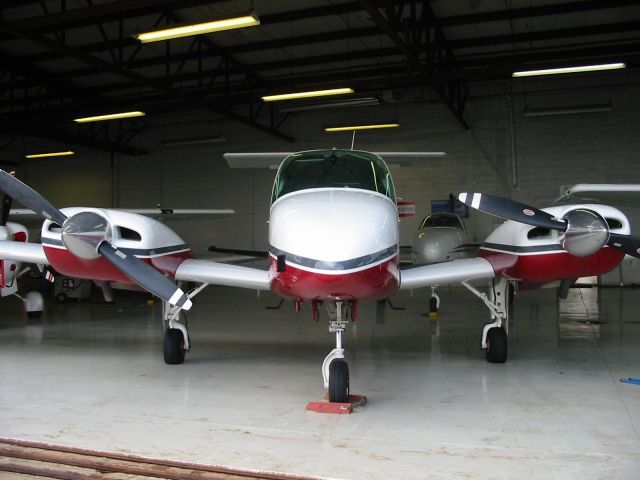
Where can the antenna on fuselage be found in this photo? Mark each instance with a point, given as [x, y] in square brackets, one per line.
[353, 139]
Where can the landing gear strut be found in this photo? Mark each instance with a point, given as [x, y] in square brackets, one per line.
[434, 303]
[494, 334]
[176, 335]
[335, 370]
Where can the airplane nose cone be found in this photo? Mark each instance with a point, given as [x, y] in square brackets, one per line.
[334, 228]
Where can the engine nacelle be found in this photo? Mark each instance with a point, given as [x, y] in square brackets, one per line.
[587, 232]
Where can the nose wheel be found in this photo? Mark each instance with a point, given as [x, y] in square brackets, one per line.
[338, 381]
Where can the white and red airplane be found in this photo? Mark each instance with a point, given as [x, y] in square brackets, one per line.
[11, 270]
[333, 235]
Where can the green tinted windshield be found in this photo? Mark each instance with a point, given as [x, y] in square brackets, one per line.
[333, 168]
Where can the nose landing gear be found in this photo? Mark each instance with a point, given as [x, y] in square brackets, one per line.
[335, 370]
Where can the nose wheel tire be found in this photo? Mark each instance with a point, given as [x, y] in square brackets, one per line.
[339, 381]
[173, 347]
[496, 345]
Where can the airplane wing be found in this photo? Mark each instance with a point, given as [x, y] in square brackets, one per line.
[23, 252]
[446, 272]
[406, 159]
[609, 193]
[272, 160]
[24, 214]
[217, 273]
[269, 160]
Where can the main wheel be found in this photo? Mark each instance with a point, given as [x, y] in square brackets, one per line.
[496, 345]
[433, 305]
[338, 381]
[173, 346]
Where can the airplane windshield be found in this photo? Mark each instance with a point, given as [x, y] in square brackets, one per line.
[449, 220]
[333, 168]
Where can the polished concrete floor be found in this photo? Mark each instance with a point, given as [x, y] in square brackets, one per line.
[91, 375]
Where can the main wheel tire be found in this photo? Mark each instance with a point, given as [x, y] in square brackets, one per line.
[173, 346]
[496, 345]
[338, 381]
[61, 298]
[433, 305]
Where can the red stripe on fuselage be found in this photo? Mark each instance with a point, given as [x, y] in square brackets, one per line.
[540, 268]
[374, 283]
[100, 269]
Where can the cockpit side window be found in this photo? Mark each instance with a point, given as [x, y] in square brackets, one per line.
[333, 168]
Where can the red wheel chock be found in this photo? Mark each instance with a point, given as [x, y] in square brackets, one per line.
[337, 408]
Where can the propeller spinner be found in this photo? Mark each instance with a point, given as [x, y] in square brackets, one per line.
[585, 231]
[88, 235]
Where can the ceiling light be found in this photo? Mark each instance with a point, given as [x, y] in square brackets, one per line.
[567, 110]
[50, 154]
[198, 28]
[111, 116]
[313, 93]
[556, 71]
[361, 127]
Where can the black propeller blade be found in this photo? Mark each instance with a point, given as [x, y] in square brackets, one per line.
[6, 209]
[87, 232]
[29, 198]
[145, 276]
[512, 210]
[625, 243]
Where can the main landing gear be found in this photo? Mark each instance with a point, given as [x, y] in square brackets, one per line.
[335, 370]
[494, 334]
[176, 335]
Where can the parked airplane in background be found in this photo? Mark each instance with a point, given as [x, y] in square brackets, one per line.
[333, 235]
[441, 237]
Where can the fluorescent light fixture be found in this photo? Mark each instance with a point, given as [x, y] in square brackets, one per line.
[361, 127]
[111, 116]
[567, 110]
[175, 142]
[50, 154]
[198, 28]
[344, 103]
[312, 93]
[557, 71]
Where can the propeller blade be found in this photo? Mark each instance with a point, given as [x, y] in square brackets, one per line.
[6, 209]
[145, 276]
[512, 210]
[625, 243]
[29, 198]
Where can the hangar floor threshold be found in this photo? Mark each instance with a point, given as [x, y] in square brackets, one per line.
[91, 376]
[38, 460]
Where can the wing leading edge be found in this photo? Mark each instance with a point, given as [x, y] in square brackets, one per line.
[216, 273]
[446, 272]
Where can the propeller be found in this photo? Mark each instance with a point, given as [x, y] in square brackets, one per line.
[87, 235]
[585, 231]
[6, 208]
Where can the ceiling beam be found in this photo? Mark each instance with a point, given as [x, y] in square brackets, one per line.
[140, 79]
[10, 124]
[414, 61]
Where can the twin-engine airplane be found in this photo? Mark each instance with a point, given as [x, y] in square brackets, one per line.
[11, 270]
[333, 234]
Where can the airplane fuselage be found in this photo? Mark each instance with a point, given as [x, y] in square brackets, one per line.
[337, 243]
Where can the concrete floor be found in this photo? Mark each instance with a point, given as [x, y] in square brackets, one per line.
[92, 376]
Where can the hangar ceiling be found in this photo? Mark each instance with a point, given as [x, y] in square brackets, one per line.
[64, 58]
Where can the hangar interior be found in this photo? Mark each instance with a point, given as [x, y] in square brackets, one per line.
[91, 375]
